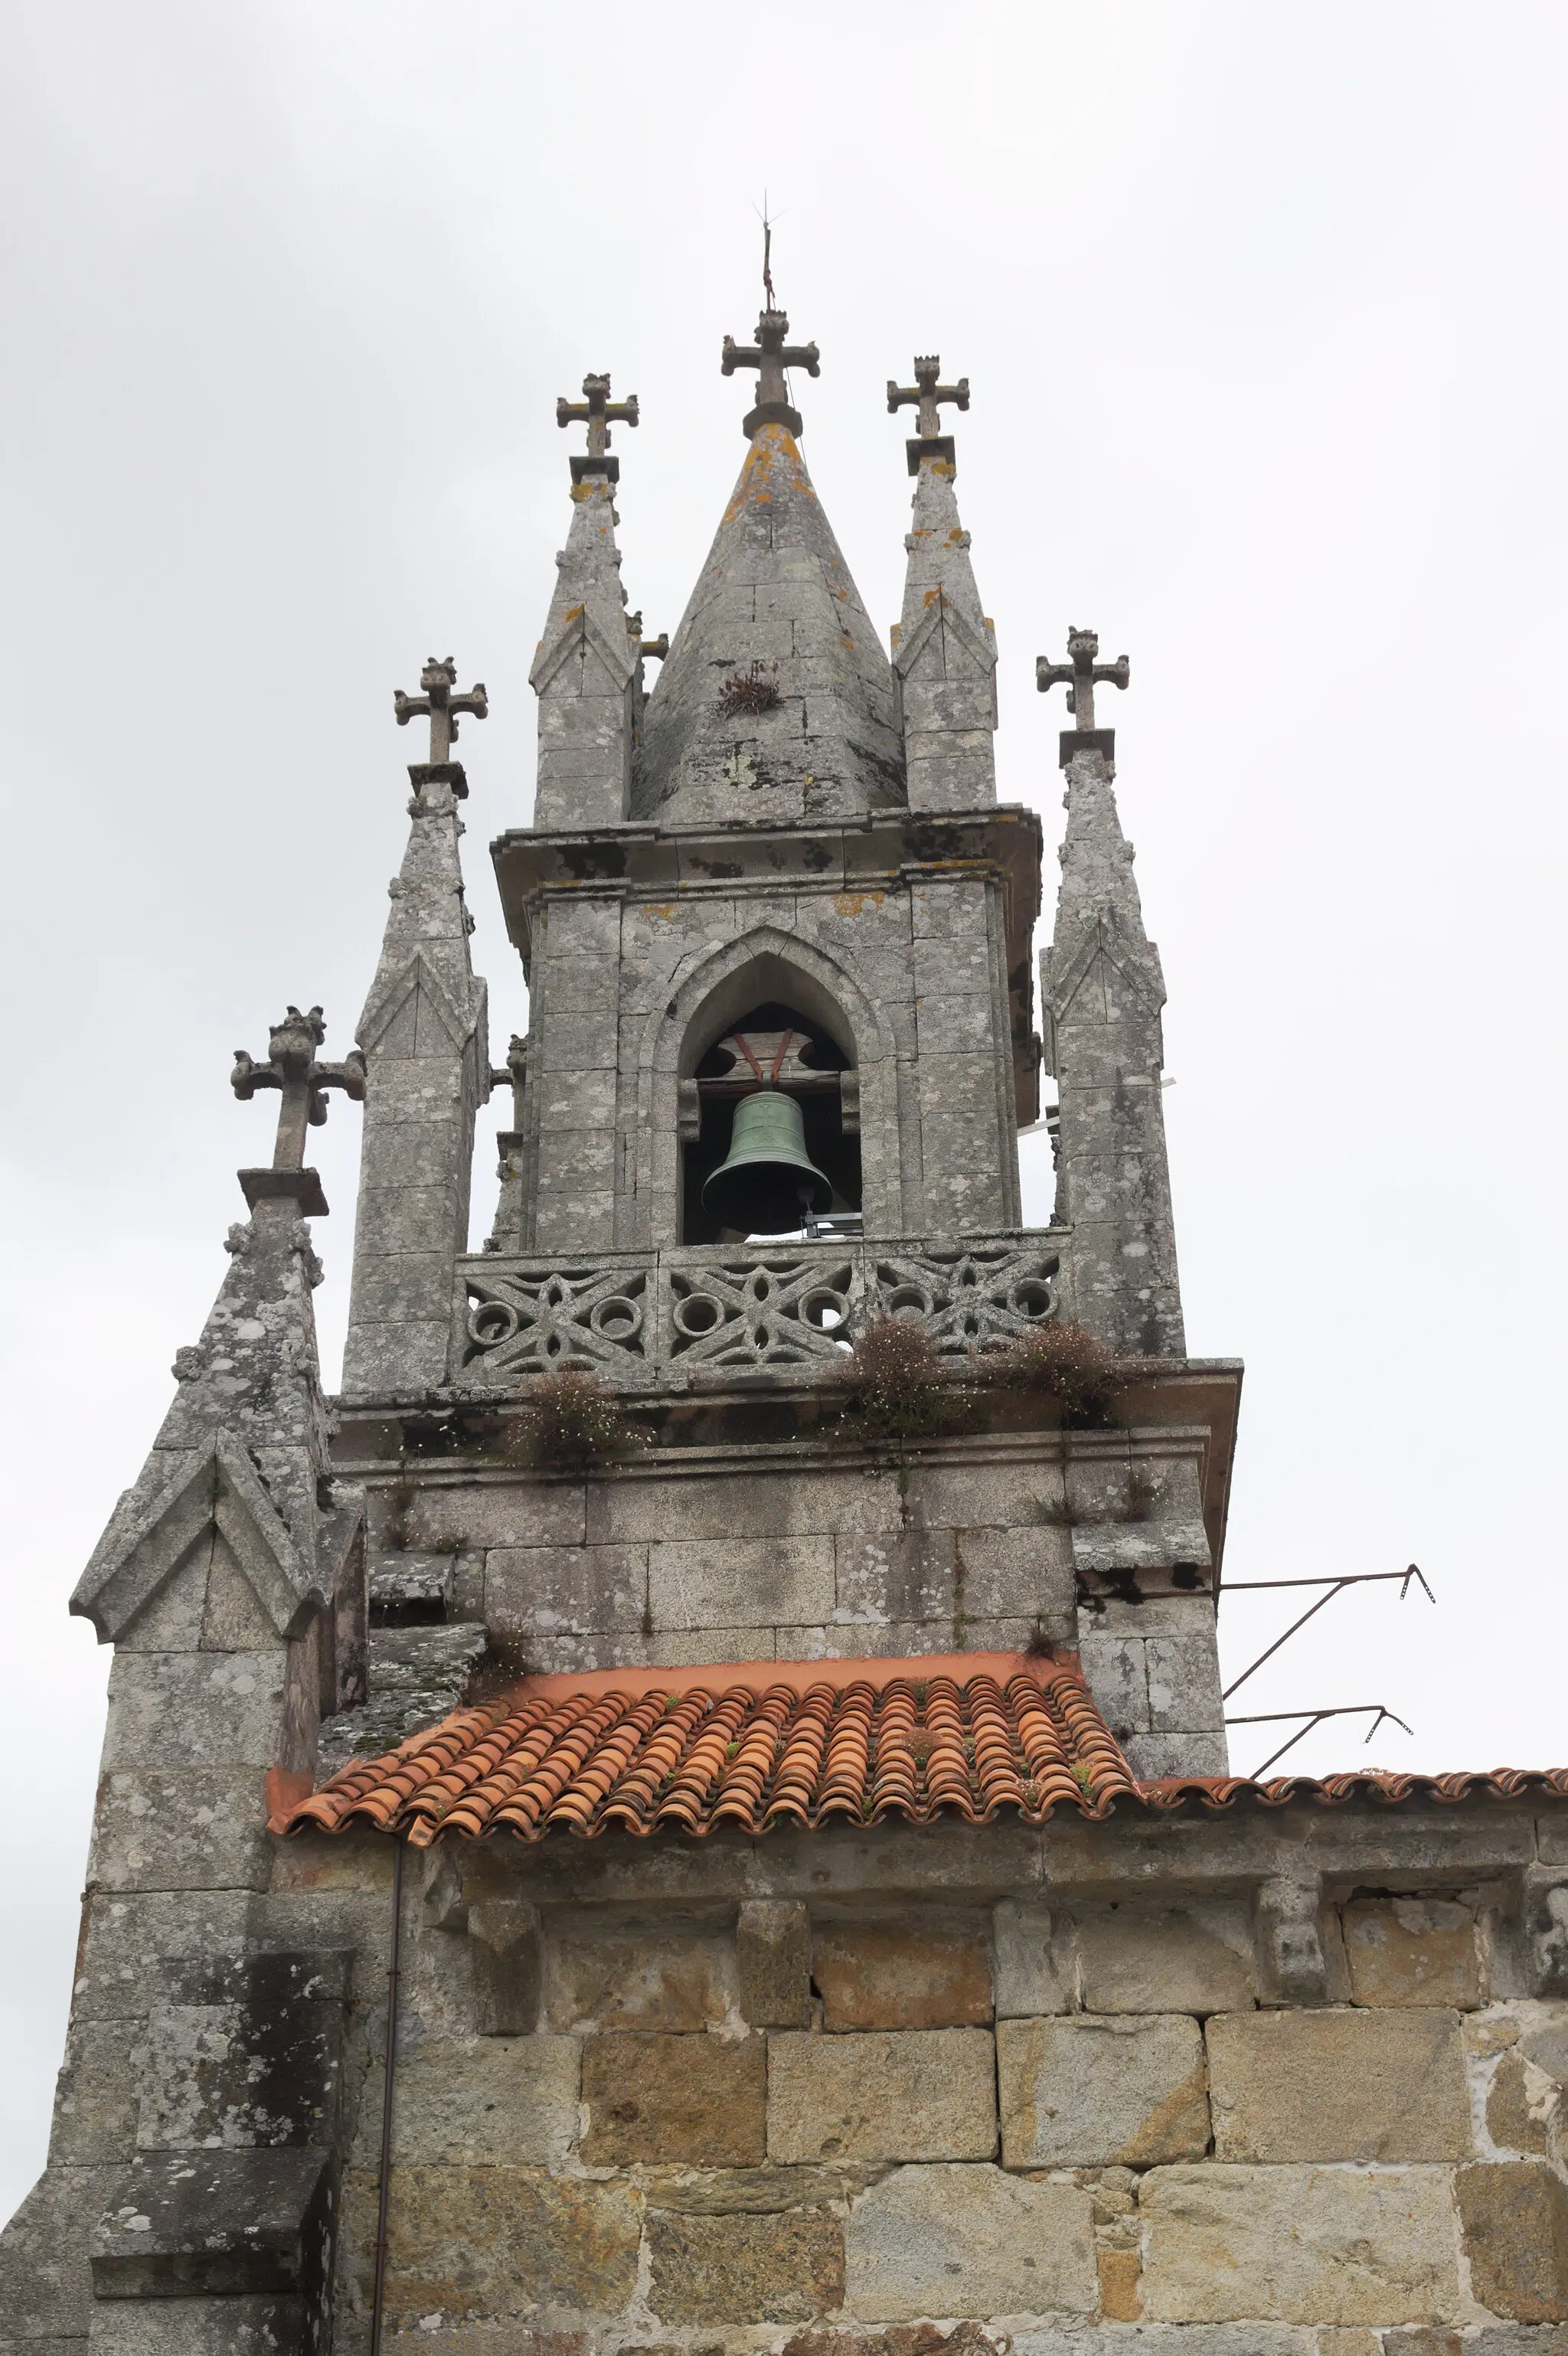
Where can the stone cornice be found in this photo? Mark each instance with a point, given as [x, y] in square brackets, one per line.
[890, 848]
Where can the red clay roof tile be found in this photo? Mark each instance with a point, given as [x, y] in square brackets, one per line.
[762, 1745]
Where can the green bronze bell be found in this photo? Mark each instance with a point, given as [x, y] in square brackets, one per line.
[767, 1182]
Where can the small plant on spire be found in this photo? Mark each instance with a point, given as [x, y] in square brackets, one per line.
[747, 693]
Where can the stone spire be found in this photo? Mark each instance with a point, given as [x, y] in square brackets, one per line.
[1101, 990]
[587, 670]
[234, 1538]
[945, 648]
[427, 1071]
[776, 703]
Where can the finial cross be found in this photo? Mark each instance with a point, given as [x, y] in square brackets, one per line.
[1081, 674]
[291, 1067]
[598, 413]
[770, 355]
[437, 680]
[929, 394]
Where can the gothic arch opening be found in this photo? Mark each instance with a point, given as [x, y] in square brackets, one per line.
[732, 1055]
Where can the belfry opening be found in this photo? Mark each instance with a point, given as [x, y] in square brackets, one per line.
[788, 1167]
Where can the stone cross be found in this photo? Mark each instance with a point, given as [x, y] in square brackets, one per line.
[598, 413]
[1081, 673]
[437, 680]
[929, 394]
[771, 355]
[291, 1067]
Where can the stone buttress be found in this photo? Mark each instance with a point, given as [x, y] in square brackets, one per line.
[588, 672]
[192, 2186]
[1101, 994]
[424, 1037]
[944, 651]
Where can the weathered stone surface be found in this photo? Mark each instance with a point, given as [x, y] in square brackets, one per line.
[1287, 1916]
[129, 1936]
[904, 2095]
[1165, 1959]
[754, 2191]
[1034, 1967]
[190, 1828]
[214, 2223]
[1298, 2246]
[46, 2290]
[698, 2100]
[1519, 2113]
[902, 1975]
[1094, 2090]
[645, 1974]
[506, 1951]
[730, 1582]
[487, 2099]
[785, 2268]
[96, 2097]
[1405, 1951]
[566, 1591]
[1514, 2218]
[773, 1954]
[1338, 2085]
[1490, 2339]
[968, 2240]
[467, 2241]
[1174, 2339]
[196, 2326]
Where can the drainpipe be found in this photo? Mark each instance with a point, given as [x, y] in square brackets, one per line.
[388, 2078]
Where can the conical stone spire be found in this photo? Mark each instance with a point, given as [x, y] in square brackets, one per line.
[1101, 990]
[427, 1071]
[944, 651]
[587, 672]
[776, 703]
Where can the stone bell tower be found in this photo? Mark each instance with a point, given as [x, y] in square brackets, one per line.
[784, 869]
[744, 1877]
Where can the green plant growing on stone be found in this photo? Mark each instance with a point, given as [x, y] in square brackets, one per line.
[571, 1419]
[901, 1389]
[1062, 1361]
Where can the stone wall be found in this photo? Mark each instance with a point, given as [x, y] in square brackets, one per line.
[640, 2107]
[695, 1554]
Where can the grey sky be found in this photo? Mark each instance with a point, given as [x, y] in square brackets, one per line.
[1262, 311]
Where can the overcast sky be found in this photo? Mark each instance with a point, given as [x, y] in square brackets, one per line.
[1262, 309]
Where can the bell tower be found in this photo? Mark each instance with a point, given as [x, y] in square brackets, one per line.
[777, 931]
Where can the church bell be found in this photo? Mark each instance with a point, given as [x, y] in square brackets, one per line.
[767, 1182]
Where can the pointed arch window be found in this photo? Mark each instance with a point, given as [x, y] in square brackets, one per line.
[773, 1044]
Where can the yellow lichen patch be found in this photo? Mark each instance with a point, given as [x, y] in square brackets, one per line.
[932, 596]
[664, 909]
[853, 903]
[572, 614]
[956, 534]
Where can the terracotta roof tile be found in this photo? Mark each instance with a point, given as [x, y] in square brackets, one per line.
[763, 1745]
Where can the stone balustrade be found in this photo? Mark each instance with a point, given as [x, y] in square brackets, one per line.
[656, 1319]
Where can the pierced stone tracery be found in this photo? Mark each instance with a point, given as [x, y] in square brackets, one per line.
[636, 1320]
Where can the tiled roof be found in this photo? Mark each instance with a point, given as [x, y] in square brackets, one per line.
[757, 1745]
[1213, 1792]
[763, 1745]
